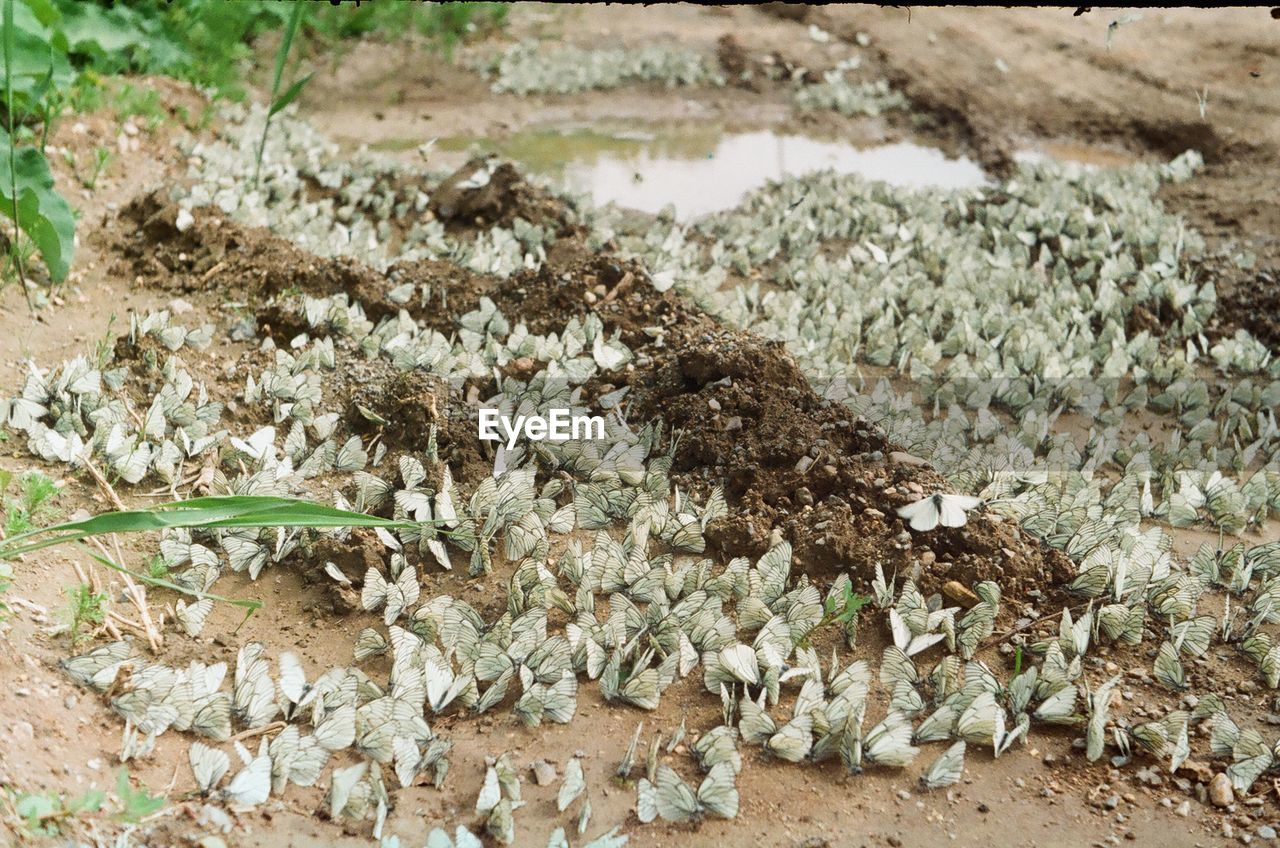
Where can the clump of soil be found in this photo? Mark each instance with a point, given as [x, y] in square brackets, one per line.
[575, 281]
[400, 407]
[504, 196]
[1253, 303]
[247, 262]
[795, 464]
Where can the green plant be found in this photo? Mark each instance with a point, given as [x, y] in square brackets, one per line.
[843, 610]
[85, 610]
[28, 196]
[6, 580]
[21, 512]
[157, 568]
[281, 99]
[104, 349]
[101, 156]
[444, 24]
[136, 804]
[43, 813]
[133, 101]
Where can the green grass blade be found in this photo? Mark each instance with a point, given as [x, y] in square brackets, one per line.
[207, 512]
[276, 104]
[290, 94]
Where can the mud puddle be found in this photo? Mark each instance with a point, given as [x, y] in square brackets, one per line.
[698, 169]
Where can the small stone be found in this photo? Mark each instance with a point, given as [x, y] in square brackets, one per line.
[1220, 792]
[904, 458]
[713, 405]
[1183, 809]
[544, 773]
[960, 594]
[1196, 770]
[22, 730]
[803, 464]
[1111, 802]
[185, 220]
[1266, 831]
[804, 497]
[733, 423]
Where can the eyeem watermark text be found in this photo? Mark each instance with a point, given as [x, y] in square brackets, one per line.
[558, 425]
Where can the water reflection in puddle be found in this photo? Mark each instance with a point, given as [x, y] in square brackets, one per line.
[703, 171]
[699, 169]
[746, 161]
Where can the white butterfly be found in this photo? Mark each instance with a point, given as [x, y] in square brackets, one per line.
[947, 510]
[258, 446]
[208, 765]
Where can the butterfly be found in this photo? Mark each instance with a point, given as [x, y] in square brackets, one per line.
[939, 509]
[208, 765]
[946, 770]
[674, 800]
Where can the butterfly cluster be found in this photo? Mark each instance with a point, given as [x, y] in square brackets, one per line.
[528, 68]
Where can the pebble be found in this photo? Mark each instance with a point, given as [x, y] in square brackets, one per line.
[544, 773]
[22, 730]
[1112, 802]
[1266, 832]
[1183, 809]
[904, 458]
[960, 594]
[1220, 792]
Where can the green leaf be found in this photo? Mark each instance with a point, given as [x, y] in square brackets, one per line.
[290, 94]
[41, 212]
[90, 802]
[208, 512]
[35, 808]
[137, 803]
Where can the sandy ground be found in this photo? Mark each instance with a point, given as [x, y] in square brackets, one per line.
[1062, 85]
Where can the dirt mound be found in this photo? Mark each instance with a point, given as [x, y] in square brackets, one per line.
[245, 262]
[1254, 304]
[795, 464]
[400, 407]
[483, 194]
[575, 281]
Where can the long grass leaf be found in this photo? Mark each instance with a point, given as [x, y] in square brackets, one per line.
[206, 512]
[282, 56]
